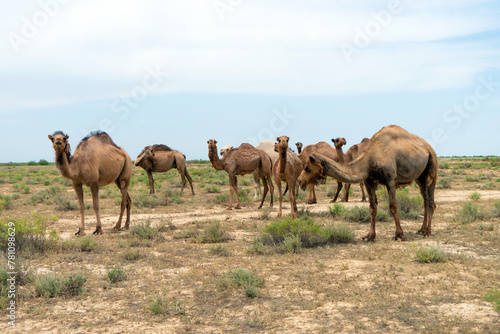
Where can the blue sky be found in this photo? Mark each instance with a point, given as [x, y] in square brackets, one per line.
[180, 73]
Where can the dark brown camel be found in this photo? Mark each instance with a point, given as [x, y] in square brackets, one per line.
[161, 159]
[242, 160]
[393, 157]
[97, 162]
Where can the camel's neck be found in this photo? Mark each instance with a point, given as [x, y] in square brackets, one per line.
[299, 149]
[282, 159]
[214, 159]
[340, 154]
[63, 163]
[353, 172]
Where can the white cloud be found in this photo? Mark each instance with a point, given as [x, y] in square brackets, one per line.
[99, 49]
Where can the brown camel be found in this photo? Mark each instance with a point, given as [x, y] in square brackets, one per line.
[299, 147]
[268, 147]
[161, 159]
[349, 156]
[393, 157]
[97, 162]
[287, 168]
[326, 150]
[242, 160]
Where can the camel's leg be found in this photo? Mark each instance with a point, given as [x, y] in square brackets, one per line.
[363, 198]
[183, 179]
[129, 206]
[125, 204]
[190, 180]
[238, 205]
[393, 207]
[94, 188]
[312, 194]
[151, 182]
[256, 185]
[271, 189]
[372, 196]
[345, 198]
[266, 189]
[231, 190]
[339, 188]
[280, 195]
[429, 207]
[79, 193]
[292, 199]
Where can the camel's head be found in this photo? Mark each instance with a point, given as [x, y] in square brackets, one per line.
[313, 173]
[281, 144]
[212, 145]
[59, 141]
[143, 157]
[299, 145]
[225, 149]
[339, 142]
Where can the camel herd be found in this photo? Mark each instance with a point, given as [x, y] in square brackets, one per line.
[392, 157]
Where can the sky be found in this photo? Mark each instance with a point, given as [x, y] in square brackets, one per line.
[182, 72]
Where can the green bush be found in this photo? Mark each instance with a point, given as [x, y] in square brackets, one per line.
[309, 233]
[431, 255]
[493, 296]
[219, 250]
[144, 231]
[470, 212]
[30, 233]
[242, 278]
[444, 183]
[163, 305]
[116, 275]
[147, 201]
[5, 202]
[51, 286]
[358, 214]
[213, 234]
[87, 244]
[475, 196]
[337, 210]
[340, 233]
[408, 206]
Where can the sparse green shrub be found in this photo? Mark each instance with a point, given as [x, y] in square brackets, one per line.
[219, 250]
[46, 196]
[496, 209]
[30, 233]
[213, 234]
[304, 213]
[358, 214]
[475, 196]
[340, 233]
[147, 200]
[257, 247]
[472, 178]
[337, 210]
[444, 183]
[51, 286]
[242, 278]
[222, 199]
[166, 306]
[131, 255]
[144, 231]
[6, 202]
[470, 212]
[493, 296]
[291, 244]
[87, 244]
[408, 206]
[212, 189]
[265, 214]
[307, 231]
[430, 254]
[116, 275]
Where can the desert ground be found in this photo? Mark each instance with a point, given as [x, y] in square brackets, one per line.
[188, 265]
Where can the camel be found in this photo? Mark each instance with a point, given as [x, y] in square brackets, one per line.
[268, 147]
[299, 147]
[160, 159]
[392, 157]
[242, 160]
[225, 149]
[287, 168]
[322, 148]
[97, 162]
[349, 156]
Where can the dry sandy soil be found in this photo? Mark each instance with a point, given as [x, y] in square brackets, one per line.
[358, 287]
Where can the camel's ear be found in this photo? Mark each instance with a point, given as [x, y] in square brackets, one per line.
[215, 141]
[333, 140]
[51, 138]
[208, 141]
[277, 139]
[66, 137]
[287, 139]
